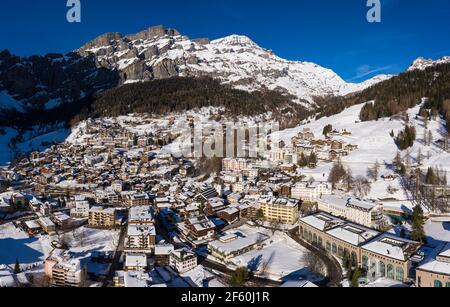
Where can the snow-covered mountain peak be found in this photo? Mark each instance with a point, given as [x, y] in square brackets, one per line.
[237, 60]
[422, 63]
[235, 40]
[157, 53]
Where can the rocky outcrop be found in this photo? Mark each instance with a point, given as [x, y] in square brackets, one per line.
[153, 32]
[165, 69]
[102, 40]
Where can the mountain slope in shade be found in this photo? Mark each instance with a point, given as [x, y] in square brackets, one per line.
[422, 63]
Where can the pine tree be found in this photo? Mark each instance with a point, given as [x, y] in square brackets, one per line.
[337, 174]
[260, 215]
[17, 269]
[431, 177]
[303, 161]
[327, 130]
[355, 278]
[312, 160]
[397, 161]
[418, 223]
[239, 277]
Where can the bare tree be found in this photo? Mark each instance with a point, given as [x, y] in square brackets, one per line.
[64, 240]
[361, 187]
[275, 225]
[419, 156]
[430, 138]
[425, 137]
[311, 261]
[348, 179]
[80, 236]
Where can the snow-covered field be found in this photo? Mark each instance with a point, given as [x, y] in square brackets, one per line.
[16, 244]
[281, 256]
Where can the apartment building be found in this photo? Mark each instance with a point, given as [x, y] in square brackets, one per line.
[200, 228]
[137, 199]
[47, 225]
[81, 209]
[356, 211]
[162, 254]
[141, 215]
[62, 220]
[283, 210]
[100, 217]
[63, 270]
[183, 260]
[140, 239]
[310, 191]
[117, 186]
[235, 164]
[136, 262]
[233, 245]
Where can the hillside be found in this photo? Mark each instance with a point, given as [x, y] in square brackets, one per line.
[400, 93]
[375, 143]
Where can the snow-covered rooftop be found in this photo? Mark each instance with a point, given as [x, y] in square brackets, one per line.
[392, 246]
[353, 234]
[439, 260]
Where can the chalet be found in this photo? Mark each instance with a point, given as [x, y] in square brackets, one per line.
[230, 215]
[183, 260]
[200, 228]
[162, 254]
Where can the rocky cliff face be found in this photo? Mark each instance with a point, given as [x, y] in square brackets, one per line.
[157, 53]
[44, 82]
[161, 53]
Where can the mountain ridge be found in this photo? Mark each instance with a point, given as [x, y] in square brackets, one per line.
[113, 59]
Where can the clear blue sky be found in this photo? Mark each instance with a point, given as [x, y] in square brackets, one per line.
[334, 34]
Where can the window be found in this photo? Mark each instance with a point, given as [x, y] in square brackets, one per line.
[399, 274]
[320, 242]
[390, 271]
[382, 269]
[373, 266]
[328, 247]
[447, 285]
[437, 284]
[334, 248]
[347, 253]
[354, 259]
[365, 262]
[315, 239]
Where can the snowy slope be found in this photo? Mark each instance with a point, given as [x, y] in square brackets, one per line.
[375, 143]
[7, 102]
